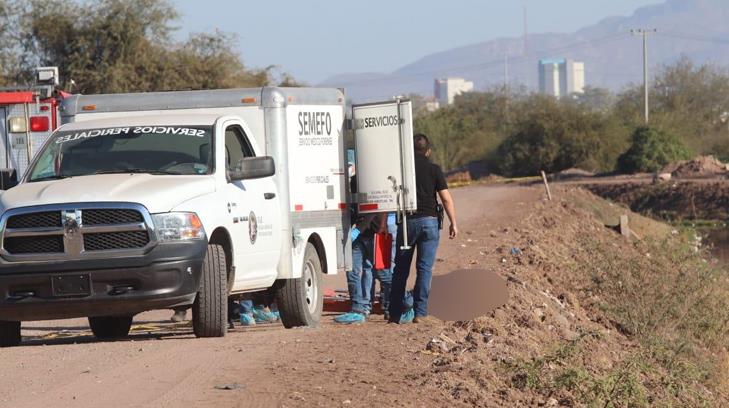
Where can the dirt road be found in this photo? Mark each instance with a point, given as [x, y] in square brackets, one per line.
[162, 365]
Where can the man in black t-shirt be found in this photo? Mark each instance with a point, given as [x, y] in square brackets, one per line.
[423, 233]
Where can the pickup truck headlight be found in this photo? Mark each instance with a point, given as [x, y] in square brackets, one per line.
[178, 226]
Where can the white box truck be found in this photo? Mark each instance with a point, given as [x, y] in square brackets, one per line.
[161, 200]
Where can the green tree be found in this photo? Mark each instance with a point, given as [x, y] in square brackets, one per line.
[108, 46]
[689, 100]
[453, 137]
[9, 51]
[595, 99]
[650, 151]
[551, 136]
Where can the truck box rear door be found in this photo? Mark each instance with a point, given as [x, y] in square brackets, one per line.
[385, 162]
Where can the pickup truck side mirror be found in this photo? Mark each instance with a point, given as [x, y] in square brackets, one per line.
[8, 179]
[253, 168]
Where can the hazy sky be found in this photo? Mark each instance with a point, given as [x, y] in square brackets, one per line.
[315, 39]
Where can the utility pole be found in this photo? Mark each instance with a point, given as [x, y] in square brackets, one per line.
[506, 70]
[525, 51]
[645, 32]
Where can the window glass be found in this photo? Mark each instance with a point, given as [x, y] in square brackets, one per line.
[144, 149]
[236, 146]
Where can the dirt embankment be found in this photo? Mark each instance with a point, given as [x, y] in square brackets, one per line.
[593, 319]
[699, 167]
[672, 200]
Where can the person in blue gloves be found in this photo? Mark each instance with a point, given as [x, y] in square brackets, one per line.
[359, 279]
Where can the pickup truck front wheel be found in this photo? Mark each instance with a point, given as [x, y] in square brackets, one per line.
[301, 300]
[210, 310]
[110, 327]
[9, 334]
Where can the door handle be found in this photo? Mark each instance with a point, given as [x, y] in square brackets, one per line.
[269, 196]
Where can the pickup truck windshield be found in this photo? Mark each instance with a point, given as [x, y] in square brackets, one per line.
[135, 149]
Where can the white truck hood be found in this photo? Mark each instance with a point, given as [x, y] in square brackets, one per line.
[159, 193]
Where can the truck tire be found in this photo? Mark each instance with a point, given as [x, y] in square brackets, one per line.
[9, 334]
[110, 327]
[210, 310]
[301, 300]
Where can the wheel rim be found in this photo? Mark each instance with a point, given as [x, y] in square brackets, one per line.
[310, 284]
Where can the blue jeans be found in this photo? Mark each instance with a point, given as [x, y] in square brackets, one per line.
[385, 275]
[359, 279]
[424, 235]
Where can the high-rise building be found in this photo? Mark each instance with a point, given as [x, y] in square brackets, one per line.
[446, 89]
[561, 77]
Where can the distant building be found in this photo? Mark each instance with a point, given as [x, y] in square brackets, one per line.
[446, 89]
[431, 104]
[561, 77]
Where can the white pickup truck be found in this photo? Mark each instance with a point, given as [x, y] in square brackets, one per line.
[161, 200]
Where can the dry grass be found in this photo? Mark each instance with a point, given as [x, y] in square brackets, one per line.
[595, 320]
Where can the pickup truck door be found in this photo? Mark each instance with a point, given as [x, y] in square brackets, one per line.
[254, 214]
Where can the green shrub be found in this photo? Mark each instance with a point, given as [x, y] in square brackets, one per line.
[650, 150]
[550, 136]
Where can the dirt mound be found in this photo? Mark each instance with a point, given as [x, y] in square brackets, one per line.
[702, 166]
[674, 201]
[456, 177]
[470, 171]
[558, 341]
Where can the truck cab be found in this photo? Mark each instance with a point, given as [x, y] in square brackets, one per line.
[119, 216]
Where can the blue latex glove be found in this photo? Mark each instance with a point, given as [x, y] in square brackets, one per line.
[354, 233]
[391, 219]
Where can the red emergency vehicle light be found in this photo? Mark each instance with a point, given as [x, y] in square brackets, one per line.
[39, 124]
[16, 97]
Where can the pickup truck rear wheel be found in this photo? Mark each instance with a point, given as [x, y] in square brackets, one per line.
[110, 327]
[9, 334]
[210, 310]
[301, 300]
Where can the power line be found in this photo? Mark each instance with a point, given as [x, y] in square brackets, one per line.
[694, 37]
[492, 63]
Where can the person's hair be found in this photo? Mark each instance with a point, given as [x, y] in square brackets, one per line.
[421, 143]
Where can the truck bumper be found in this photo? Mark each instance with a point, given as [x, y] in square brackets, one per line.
[166, 277]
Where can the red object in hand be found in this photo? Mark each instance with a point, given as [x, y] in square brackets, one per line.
[383, 251]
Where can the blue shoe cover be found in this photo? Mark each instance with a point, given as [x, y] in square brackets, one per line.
[350, 318]
[407, 317]
[264, 316]
[246, 319]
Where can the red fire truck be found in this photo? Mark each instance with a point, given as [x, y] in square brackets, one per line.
[28, 116]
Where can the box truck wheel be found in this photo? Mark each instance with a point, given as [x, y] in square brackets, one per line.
[301, 300]
[210, 310]
[110, 327]
[9, 334]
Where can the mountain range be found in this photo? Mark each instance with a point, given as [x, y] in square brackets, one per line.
[613, 57]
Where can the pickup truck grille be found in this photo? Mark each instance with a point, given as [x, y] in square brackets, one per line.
[115, 240]
[111, 217]
[34, 245]
[76, 232]
[47, 219]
